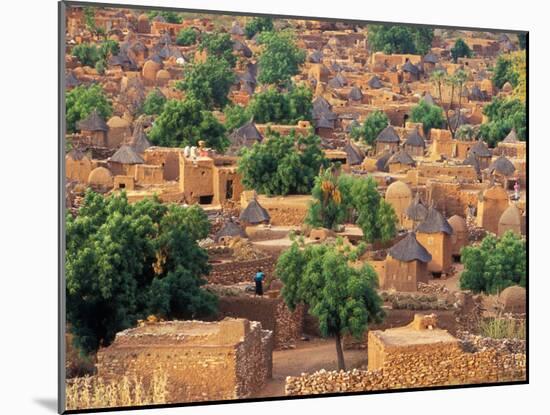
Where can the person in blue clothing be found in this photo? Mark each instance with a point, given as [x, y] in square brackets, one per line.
[259, 280]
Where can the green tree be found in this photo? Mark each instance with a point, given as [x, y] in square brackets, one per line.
[282, 165]
[108, 48]
[154, 102]
[337, 198]
[280, 58]
[235, 117]
[169, 16]
[460, 50]
[186, 37]
[494, 264]
[375, 122]
[273, 105]
[327, 209]
[343, 298]
[431, 116]
[300, 104]
[270, 105]
[456, 83]
[89, 54]
[82, 100]
[399, 39]
[503, 115]
[126, 261]
[208, 82]
[504, 72]
[375, 216]
[184, 123]
[258, 25]
[219, 45]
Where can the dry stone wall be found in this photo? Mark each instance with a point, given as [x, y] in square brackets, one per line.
[228, 273]
[272, 313]
[416, 368]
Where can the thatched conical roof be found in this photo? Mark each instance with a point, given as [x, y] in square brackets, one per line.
[409, 249]
[126, 155]
[435, 222]
[254, 213]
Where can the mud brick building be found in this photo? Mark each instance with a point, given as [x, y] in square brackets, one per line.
[203, 361]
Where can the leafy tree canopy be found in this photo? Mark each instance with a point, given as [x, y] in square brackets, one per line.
[431, 116]
[219, 45]
[503, 114]
[82, 100]
[375, 122]
[400, 39]
[343, 298]
[208, 82]
[282, 165]
[281, 107]
[257, 25]
[504, 71]
[154, 103]
[169, 16]
[235, 117]
[186, 37]
[184, 123]
[494, 264]
[127, 261]
[90, 54]
[280, 58]
[460, 50]
[338, 197]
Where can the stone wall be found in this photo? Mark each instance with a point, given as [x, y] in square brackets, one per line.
[417, 367]
[272, 313]
[202, 361]
[227, 273]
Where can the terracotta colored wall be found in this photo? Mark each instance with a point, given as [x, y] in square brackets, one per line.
[439, 246]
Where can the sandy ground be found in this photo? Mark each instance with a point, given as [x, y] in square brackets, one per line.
[308, 357]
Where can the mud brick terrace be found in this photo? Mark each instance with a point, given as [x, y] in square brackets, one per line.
[196, 161]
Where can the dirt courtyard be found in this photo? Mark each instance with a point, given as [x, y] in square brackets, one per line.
[308, 356]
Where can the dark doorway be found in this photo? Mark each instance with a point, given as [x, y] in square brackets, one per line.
[206, 200]
[122, 185]
[229, 190]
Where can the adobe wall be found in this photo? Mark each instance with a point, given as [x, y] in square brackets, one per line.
[439, 245]
[202, 361]
[417, 367]
[403, 276]
[228, 273]
[272, 313]
[464, 173]
[286, 211]
[168, 158]
[452, 198]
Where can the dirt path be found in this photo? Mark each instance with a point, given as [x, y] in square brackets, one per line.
[308, 357]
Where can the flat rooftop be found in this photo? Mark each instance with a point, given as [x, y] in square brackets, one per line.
[408, 336]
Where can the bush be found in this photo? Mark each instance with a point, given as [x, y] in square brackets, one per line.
[399, 39]
[257, 25]
[504, 114]
[186, 37]
[154, 103]
[431, 116]
[373, 125]
[494, 264]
